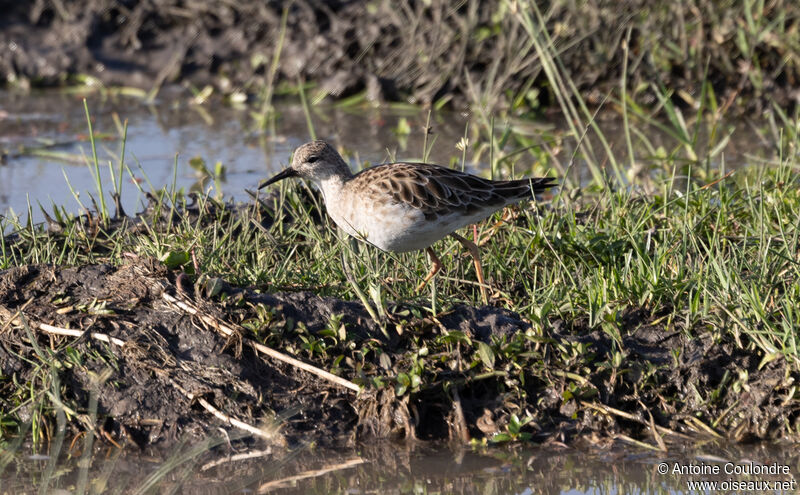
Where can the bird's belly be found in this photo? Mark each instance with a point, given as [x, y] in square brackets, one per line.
[390, 227]
[396, 227]
[412, 238]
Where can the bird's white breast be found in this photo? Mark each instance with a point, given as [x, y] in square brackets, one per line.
[387, 225]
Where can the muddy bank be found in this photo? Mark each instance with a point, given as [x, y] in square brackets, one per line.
[167, 353]
[410, 51]
[421, 377]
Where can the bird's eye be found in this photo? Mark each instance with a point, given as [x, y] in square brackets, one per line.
[312, 159]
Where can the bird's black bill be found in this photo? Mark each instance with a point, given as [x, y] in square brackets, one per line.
[285, 173]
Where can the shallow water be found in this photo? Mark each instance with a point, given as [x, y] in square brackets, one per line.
[54, 122]
[422, 468]
[44, 137]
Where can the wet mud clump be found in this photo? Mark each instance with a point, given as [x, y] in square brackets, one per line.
[147, 389]
[153, 366]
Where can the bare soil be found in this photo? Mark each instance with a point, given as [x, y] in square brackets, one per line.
[141, 403]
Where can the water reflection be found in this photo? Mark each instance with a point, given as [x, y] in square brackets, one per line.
[422, 468]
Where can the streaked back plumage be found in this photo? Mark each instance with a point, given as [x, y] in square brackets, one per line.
[437, 191]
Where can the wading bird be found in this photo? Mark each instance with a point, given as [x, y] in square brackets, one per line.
[401, 207]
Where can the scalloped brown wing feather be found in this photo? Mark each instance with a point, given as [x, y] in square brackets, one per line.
[439, 191]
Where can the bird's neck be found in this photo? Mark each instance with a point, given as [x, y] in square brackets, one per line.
[331, 187]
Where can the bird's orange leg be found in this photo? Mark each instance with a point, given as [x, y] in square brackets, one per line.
[476, 257]
[436, 266]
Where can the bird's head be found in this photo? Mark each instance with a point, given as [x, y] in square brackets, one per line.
[317, 161]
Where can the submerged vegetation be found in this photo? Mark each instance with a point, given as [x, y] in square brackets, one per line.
[651, 299]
